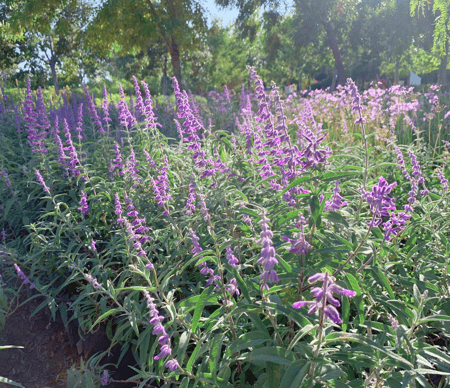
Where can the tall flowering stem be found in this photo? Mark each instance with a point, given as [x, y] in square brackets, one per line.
[356, 107]
[267, 259]
[325, 302]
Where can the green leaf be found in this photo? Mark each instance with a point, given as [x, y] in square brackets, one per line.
[182, 345]
[286, 266]
[184, 383]
[350, 337]
[248, 340]
[193, 357]
[9, 203]
[333, 176]
[275, 354]
[216, 349]
[336, 218]
[199, 307]
[297, 182]
[242, 286]
[240, 193]
[133, 322]
[380, 275]
[103, 316]
[345, 313]
[291, 313]
[434, 318]
[287, 217]
[300, 334]
[257, 322]
[191, 260]
[274, 374]
[358, 298]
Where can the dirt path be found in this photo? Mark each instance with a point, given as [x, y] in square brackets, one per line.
[46, 355]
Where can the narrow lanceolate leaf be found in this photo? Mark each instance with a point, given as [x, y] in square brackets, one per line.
[199, 307]
[103, 316]
[385, 282]
[216, 350]
[193, 357]
[275, 354]
[248, 340]
[242, 285]
[297, 182]
[182, 345]
[358, 299]
[350, 337]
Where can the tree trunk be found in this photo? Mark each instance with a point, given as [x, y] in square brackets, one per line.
[175, 59]
[333, 80]
[443, 66]
[55, 76]
[164, 83]
[300, 82]
[342, 77]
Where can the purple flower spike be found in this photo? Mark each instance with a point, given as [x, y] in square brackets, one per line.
[356, 101]
[74, 161]
[125, 117]
[378, 199]
[93, 281]
[84, 207]
[21, 275]
[232, 287]
[105, 378]
[35, 138]
[41, 181]
[232, 259]
[324, 295]
[267, 259]
[300, 304]
[203, 208]
[94, 115]
[393, 321]
[172, 364]
[190, 205]
[299, 246]
[333, 314]
[444, 182]
[105, 107]
[336, 201]
[4, 175]
[165, 351]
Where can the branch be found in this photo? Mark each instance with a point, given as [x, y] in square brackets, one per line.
[161, 32]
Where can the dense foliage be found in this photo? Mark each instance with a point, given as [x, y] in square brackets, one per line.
[276, 242]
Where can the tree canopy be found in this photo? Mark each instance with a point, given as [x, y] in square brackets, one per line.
[326, 41]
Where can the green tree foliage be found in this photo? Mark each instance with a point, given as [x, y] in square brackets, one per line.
[310, 18]
[440, 9]
[52, 35]
[8, 56]
[126, 26]
[222, 59]
[137, 25]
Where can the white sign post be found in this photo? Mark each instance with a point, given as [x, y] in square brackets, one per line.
[414, 79]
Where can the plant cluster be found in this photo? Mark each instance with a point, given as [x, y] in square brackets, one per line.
[201, 254]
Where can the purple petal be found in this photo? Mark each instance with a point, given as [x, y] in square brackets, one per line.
[333, 314]
[298, 305]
